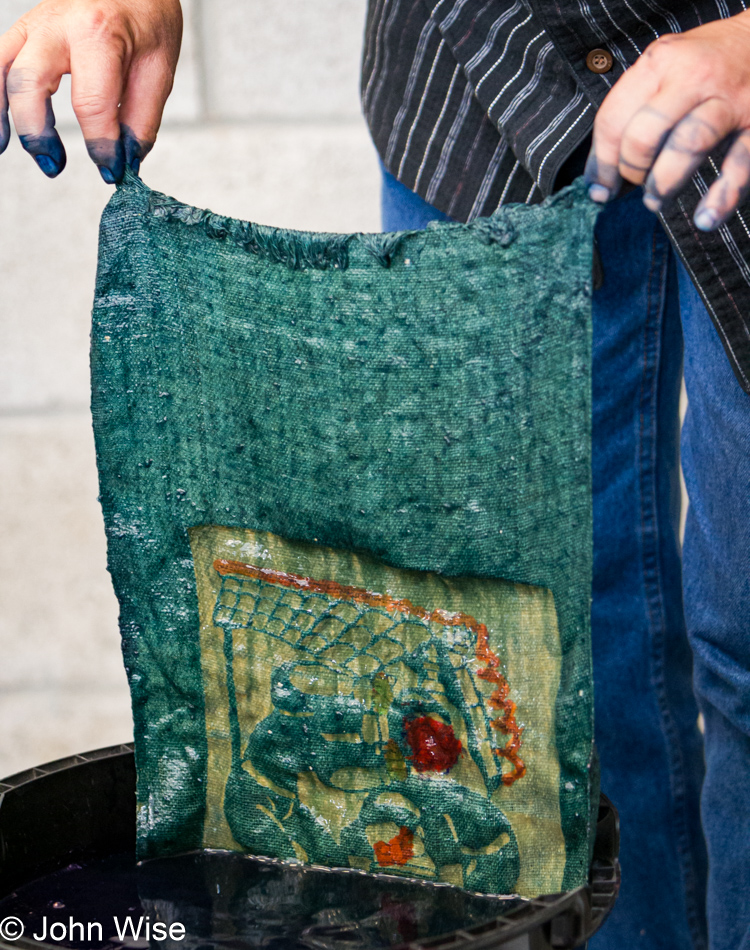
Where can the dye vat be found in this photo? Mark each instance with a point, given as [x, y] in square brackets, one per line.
[68, 878]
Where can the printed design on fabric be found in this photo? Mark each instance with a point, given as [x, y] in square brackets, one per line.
[362, 705]
[325, 609]
[389, 720]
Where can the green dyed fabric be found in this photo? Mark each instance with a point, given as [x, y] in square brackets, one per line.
[346, 488]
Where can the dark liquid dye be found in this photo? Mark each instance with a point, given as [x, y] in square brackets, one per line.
[228, 900]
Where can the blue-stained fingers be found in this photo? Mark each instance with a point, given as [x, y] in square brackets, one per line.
[148, 85]
[684, 149]
[730, 188]
[603, 179]
[109, 157]
[11, 43]
[4, 116]
[112, 157]
[135, 149]
[121, 55]
[45, 147]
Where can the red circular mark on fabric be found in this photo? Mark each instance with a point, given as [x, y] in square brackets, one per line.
[396, 851]
[434, 745]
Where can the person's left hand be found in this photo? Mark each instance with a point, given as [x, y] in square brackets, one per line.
[686, 93]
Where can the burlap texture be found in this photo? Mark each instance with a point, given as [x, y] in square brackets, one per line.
[344, 411]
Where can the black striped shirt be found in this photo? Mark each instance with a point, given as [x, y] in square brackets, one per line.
[477, 103]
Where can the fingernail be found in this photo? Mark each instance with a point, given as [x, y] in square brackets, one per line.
[652, 202]
[109, 157]
[47, 150]
[705, 219]
[48, 165]
[599, 193]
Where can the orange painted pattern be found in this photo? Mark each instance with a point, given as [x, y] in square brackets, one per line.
[506, 722]
[396, 851]
[499, 700]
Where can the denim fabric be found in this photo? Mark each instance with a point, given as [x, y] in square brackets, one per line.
[716, 463]
[651, 750]
[399, 204]
[646, 715]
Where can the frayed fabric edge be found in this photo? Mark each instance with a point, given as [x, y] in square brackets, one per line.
[302, 250]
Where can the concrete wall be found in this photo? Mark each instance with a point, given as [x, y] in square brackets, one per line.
[264, 123]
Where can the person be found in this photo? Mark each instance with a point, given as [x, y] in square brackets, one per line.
[121, 57]
[474, 103]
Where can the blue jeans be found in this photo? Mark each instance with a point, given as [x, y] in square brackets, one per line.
[666, 629]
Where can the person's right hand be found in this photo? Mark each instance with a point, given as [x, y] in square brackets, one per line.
[121, 55]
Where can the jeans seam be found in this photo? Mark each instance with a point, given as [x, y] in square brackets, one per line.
[647, 467]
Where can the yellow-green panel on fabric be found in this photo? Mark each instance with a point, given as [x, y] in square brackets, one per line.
[347, 493]
[334, 709]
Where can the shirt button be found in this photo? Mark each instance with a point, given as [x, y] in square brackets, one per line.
[599, 61]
